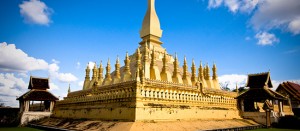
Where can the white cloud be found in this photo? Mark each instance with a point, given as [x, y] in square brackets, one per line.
[53, 86]
[10, 87]
[266, 15]
[62, 77]
[13, 59]
[233, 5]
[233, 79]
[277, 14]
[91, 64]
[214, 3]
[265, 38]
[294, 26]
[248, 5]
[36, 12]
[80, 83]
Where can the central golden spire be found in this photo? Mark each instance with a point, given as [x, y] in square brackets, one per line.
[151, 32]
[151, 24]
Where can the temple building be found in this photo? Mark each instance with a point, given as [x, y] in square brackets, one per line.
[38, 93]
[253, 102]
[292, 91]
[150, 86]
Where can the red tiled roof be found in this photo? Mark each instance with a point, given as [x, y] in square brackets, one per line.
[38, 83]
[38, 95]
[261, 94]
[291, 88]
[259, 80]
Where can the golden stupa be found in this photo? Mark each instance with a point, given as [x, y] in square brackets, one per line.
[150, 86]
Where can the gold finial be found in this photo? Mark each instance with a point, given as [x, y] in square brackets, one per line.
[118, 60]
[87, 66]
[165, 66]
[100, 73]
[127, 64]
[151, 24]
[185, 69]
[175, 64]
[87, 72]
[107, 75]
[236, 87]
[95, 65]
[100, 64]
[207, 72]
[117, 68]
[193, 68]
[69, 89]
[215, 76]
[200, 71]
[95, 71]
[108, 61]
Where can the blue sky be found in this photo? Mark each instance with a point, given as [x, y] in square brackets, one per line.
[57, 39]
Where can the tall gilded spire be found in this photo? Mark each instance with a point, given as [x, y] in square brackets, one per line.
[117, 68]
[108, 78]
[214, 72]
[100, 74]
[175, 64]
[87, 72]
[200, 72]
[185, 69]
[193, 68]
[69, 89]
[207, 77]
[165, 66]
[176, 77]
[87, 77]
[151, 24]
[95, 72]
[117, 76]
[126, 75]
[127, 64]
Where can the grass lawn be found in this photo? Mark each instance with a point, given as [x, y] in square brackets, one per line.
[273, 129]
[18, 129]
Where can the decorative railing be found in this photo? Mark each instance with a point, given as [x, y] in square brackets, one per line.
[152, 90]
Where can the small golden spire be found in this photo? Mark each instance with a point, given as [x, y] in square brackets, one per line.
[95, 73]
[200, 72]
[185, 68]
[69, 89]
[176, 64]
[193, 68]
[207, 72]
[107, 75]
[100, 73]
[215, 76]
[127, 64]
[236, 87]
[165, 66]
[117, 68]
[87, 72]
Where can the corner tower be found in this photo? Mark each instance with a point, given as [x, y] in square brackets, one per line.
[151, 31]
